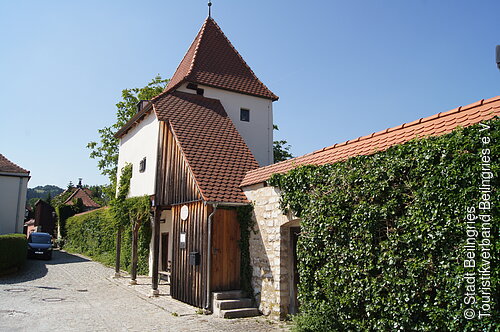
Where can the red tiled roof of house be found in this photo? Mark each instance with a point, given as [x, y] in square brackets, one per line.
[435, 125]
[214, 150]
[86, 199]
[8, 166]
[213, 61]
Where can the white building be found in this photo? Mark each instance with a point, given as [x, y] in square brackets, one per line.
[190, 147]
[13, 188]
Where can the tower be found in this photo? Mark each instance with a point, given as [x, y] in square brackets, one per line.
[212, 67]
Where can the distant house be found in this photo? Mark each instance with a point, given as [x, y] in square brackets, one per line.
[13, 188]
[85, 195]
[44, 217]
[73, 200]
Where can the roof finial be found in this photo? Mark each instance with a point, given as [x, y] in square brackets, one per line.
[209, 9]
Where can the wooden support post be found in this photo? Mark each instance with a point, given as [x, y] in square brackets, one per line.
[156, 251]
[118, 250]
[133, 272]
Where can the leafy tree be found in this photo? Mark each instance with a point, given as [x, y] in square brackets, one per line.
[100, 193]
[32, 202]
[281, 149]
[106, 150]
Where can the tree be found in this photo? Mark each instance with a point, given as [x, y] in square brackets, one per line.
[106, 150]
[139, 209]
[281, 149]
[100, 193]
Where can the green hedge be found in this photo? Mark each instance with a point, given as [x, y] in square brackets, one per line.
[93, 234]
[383, 237]
[13, 251]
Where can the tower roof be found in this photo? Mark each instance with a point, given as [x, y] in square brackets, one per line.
[213, 61]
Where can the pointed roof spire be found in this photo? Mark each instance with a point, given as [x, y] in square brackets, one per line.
[213, 61]
[209, 9]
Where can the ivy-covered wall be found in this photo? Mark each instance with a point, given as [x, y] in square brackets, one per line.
[388, 241]
[94, 234]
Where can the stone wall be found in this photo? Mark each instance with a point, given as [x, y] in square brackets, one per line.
[270, 254]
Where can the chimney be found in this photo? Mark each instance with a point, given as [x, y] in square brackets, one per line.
[142, 105]
[79, 183]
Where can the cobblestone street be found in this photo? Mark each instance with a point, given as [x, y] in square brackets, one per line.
[72, 293]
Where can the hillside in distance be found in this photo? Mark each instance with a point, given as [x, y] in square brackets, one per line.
[42, 192]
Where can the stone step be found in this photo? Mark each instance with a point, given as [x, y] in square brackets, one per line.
[228, 295]
[239, 313]
[233, 303]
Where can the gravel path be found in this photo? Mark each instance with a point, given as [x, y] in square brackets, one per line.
[73, 293]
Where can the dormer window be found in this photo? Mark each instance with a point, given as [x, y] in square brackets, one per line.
[192, 86]
[142, 165]
[245, 115]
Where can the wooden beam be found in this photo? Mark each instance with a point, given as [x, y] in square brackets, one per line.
[156, 250]
[135, 236]
[118, 251]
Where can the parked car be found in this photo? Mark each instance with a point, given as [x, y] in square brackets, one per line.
[40, 245]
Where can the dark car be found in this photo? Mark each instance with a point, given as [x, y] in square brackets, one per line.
[40, 245]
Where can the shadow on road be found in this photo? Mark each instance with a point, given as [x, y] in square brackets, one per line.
[35, 268]
[62, 257]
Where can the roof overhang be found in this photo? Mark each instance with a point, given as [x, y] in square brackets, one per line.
[138, 117]
[19, 175]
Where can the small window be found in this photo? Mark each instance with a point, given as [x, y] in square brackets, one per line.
[142, 165]
[245, 115]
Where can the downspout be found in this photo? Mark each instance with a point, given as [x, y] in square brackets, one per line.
[270, 133]
[18, 203]
[209, 250]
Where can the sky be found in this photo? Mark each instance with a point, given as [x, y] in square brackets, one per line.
[342, 69]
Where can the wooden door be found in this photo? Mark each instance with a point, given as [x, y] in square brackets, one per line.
[226, 256]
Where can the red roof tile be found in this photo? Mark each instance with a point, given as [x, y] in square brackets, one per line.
[84, 195]
[214, 150]
[8, 166]
[435, 125]
[213, 61]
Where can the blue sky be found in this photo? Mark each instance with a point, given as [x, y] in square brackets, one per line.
[342, 69]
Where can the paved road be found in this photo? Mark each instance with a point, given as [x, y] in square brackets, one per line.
[72, 293]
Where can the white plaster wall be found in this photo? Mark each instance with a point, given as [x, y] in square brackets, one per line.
[12, 203]
[258, 132]
[141, 141]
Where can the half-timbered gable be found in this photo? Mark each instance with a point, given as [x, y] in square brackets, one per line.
[175, 181]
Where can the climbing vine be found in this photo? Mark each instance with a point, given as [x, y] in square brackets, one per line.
[94, 233]
[246, 225]
[118, 204]
[383, 237]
